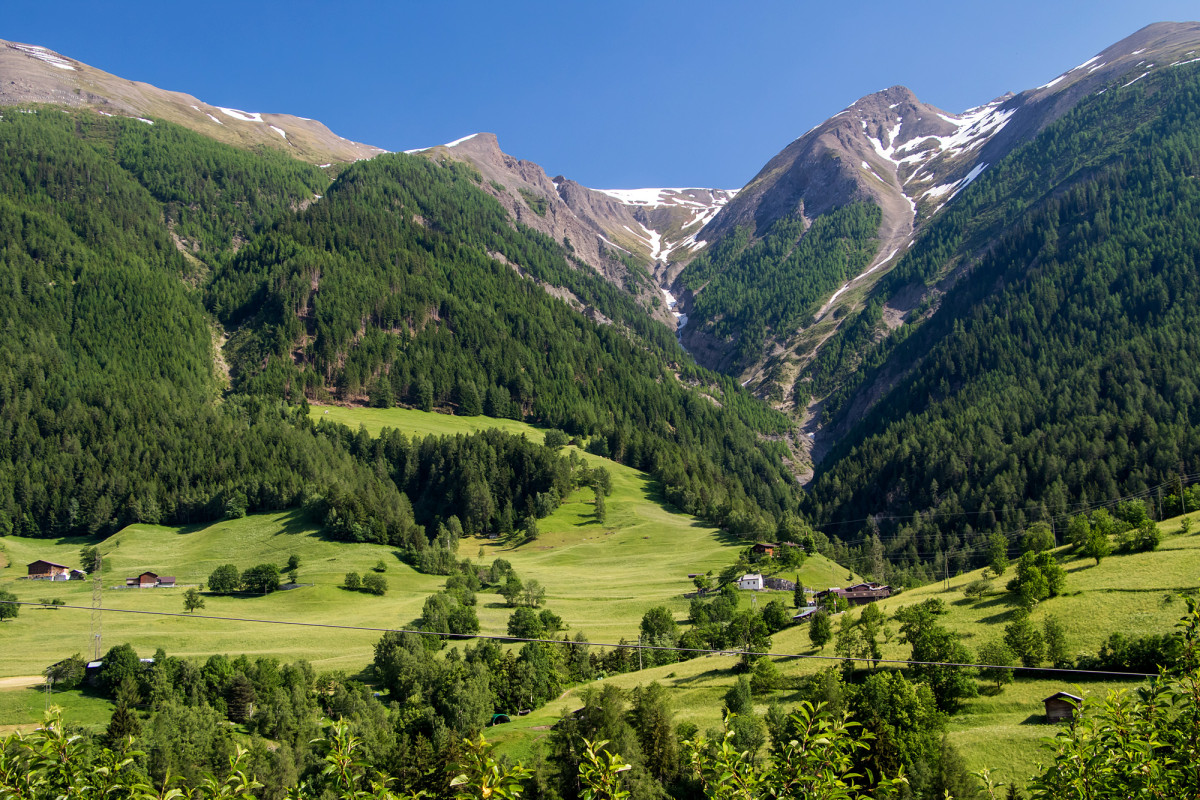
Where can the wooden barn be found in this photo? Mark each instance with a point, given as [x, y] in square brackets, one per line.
[48, 571]
[144, 581]
[1061, 705]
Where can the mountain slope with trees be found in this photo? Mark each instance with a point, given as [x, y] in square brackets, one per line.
[125, 244]
[1053, 363]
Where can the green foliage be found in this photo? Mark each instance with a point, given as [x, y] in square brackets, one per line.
[939, 648]
[536, 202]
[87, 558]
[1038, 538]
[1024, 640]
[1054, 635]
[1039, 576]
[816, 760]
[375, 584]
[68, 673]
[261, 579]
[120, 664]
[484, 777]
[998, 655]
[524, 623]
[820, 629]
[997, 553]
[739, 698]
[659, 627]
[352, 581]
[192, 600]
[8, 605]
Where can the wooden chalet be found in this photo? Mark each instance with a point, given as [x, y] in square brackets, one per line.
[48, 571]
[766, 548]
[805, 614]
[860, 593]
[1061, 705]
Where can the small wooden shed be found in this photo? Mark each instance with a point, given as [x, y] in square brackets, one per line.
[143, 581]
[1061, 705]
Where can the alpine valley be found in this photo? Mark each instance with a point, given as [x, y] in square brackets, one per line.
[916, 336]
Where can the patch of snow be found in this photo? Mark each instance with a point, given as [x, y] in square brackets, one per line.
[889, 151]
[323, 166]
[976, 127]
[1138, 52]
[42, 54]
[1091, 60]
[1096, 67]
[280, 131]
[954, 188]
[1181, 63]
[244, 116]
[640, 197]
[214, 119]
[104, 113]
[1051, 83]
[143, 119]
[457, 142]
[1135, 80]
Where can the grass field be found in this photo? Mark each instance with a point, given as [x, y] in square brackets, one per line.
[599, 578]
[1136, 594]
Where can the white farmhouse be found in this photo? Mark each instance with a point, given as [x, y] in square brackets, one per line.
[753, 582]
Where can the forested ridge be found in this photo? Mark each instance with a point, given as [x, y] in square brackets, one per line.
[123, 244]
[751, 291]
[1061, 369]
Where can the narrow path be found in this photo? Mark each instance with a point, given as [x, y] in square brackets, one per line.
[21, 682]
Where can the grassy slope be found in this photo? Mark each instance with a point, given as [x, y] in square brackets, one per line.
[1001, 732]
[599, 578]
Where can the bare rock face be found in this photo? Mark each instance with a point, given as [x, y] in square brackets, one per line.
[626, 235]
[32, 74]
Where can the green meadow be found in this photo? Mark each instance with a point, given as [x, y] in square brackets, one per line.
[600, 578]
[1135, 594]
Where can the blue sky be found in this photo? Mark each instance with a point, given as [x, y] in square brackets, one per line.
[612, 94]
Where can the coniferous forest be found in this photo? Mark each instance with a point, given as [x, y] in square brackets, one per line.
[1060, 369]
[127, 247]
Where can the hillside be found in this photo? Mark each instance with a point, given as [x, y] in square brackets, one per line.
[1135, 595]
[1050, 368]
[272, 284]
[600, 578]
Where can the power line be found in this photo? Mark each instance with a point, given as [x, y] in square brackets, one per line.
[619, 645]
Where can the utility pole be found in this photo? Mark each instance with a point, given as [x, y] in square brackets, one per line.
[97, 588]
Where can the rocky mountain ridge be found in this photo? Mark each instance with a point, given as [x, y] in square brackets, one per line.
[34, 74]
[910, 159]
